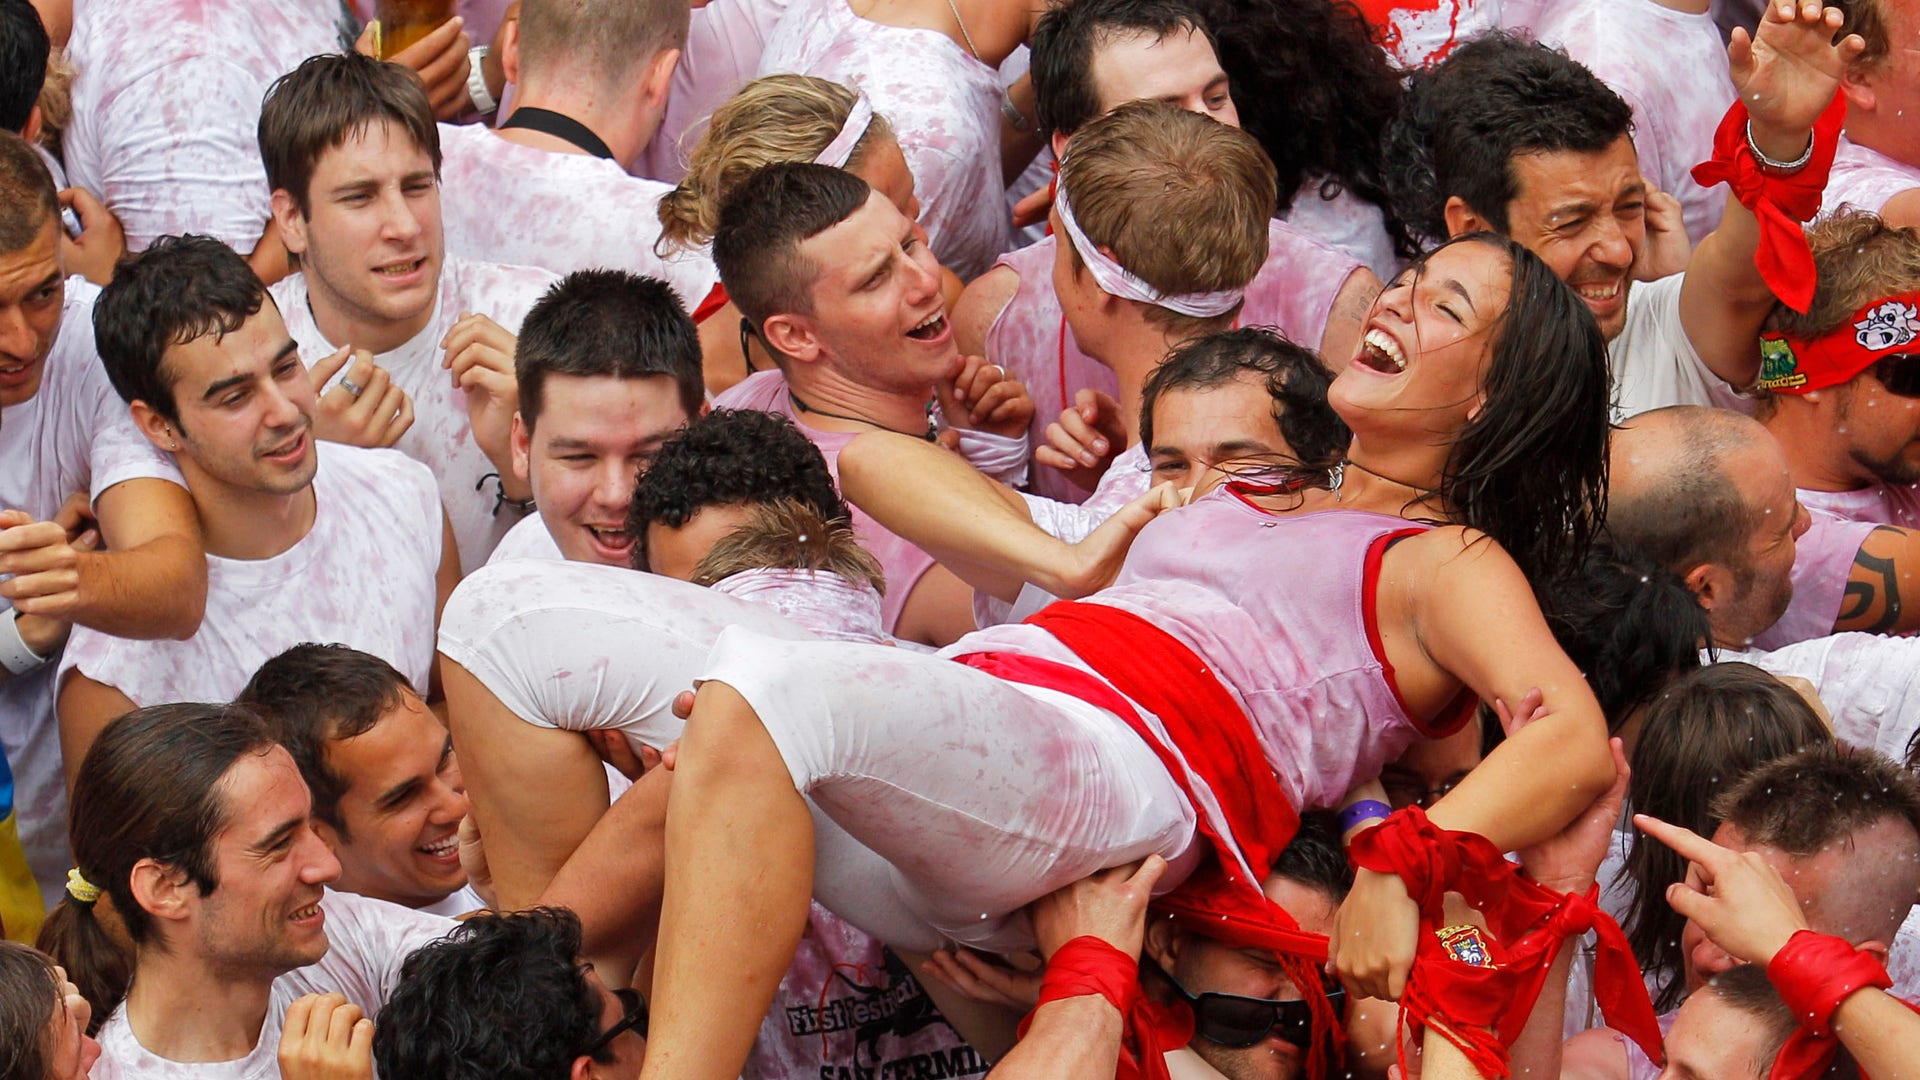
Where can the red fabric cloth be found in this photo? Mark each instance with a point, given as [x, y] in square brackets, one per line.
[1483, 1009]
[1210, 733]
[1814, 973]
[1088, 965]
[1780, 203]
[715, 300]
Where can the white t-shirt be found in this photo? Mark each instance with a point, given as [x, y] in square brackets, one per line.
[1416, 33]
[1879, 503]
[166, 106]
[74, 434]
[1654, 364]
[364, 575]
[1347, 222]
[1671, 67]
[527, 540]
[1870, 684]
[556, 642]
[1865, 179]
[461, 901]
[367, 940]
[441, 436]
[506, 203]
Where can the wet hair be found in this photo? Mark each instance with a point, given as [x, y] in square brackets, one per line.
[1464, 120]
[1294, 376]
[1868, 19]
[24, 53]
[1746, 989]
[180, 289]
[1316, 858]
[29, 992]
[28, 197]
[1702, 733]
[762, 224]
[775, 118]
[312, 695]
[1630, 625]
[329, 99]
[607, 323]
[1312, 86]
[1068, 35]
[787, 534]
[501, 997]
[1530, 470]
[730, 457]
[149, 788]
[603, 38]
[1819, 796]
[1857, 258]
[1183, 202]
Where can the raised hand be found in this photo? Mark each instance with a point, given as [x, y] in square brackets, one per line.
[1788, 72]
[479, 355]
[1086, 438]
[326, 1038]
[1110, 905]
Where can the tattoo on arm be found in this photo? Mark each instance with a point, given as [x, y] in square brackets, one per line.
[1875, 583]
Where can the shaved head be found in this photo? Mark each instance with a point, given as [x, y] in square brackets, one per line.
[1672, 493]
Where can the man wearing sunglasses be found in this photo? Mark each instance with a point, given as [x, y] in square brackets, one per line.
[1250, 1022]
[507, 995]
[1845, 377]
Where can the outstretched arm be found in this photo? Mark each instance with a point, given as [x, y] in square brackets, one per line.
[1787, 74]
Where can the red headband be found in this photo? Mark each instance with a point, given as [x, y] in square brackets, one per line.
[1790, 364]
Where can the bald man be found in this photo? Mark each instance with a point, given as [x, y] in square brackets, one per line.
[1709, 494]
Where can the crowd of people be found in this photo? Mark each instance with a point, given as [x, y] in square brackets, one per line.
[900, 539]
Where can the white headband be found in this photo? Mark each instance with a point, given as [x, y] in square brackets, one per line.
[840, 150]
[1117, 280]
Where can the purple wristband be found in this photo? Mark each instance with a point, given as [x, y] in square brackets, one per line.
[1361, 812]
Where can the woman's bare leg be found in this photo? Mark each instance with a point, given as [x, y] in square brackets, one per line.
[738, 881]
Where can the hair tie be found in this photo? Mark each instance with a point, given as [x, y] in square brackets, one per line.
[1117, 280]
[82, 890]
[840, 150]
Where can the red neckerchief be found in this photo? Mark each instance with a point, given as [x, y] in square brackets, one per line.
[1780, 203]
[716, 299]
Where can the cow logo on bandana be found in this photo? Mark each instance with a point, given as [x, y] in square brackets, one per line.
[1888, 326]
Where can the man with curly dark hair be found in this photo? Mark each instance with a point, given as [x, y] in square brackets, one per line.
[507, 997]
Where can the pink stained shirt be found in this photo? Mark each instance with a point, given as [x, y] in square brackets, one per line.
[822, 601]
[1865, 179]
[1671, 67]
[1879, 503]
[166, 102]
[902, 562]
[506, 203]
[1293, 293]
[1416, 33]
[942, 103]
[1822, 562]
[1296, 648]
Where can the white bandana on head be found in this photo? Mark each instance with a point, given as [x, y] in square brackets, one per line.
[1117, 280]
[840, 150]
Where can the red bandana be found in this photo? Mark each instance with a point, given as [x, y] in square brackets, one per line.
[1779, 202]
[1889, 326]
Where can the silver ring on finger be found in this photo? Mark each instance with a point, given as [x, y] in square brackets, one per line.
[351, 387]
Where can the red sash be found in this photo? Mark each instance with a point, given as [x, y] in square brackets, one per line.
[1212, 737]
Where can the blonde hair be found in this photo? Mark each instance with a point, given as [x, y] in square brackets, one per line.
[778, 118]
[787, 534]
[56, 101]
[1857, 257]
[1180, 199]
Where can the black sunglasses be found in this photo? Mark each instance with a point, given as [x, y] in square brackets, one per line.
[1238, 1022]
[1899, 373]
[634, 1019]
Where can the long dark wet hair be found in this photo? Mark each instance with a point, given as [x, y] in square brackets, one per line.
[1529, 469]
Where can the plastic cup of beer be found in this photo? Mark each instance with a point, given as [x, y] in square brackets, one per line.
[403, 22]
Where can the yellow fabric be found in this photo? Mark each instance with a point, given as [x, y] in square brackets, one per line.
[20, 909]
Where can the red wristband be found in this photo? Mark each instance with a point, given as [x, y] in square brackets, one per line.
[1088, 965]
[1814, 973]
